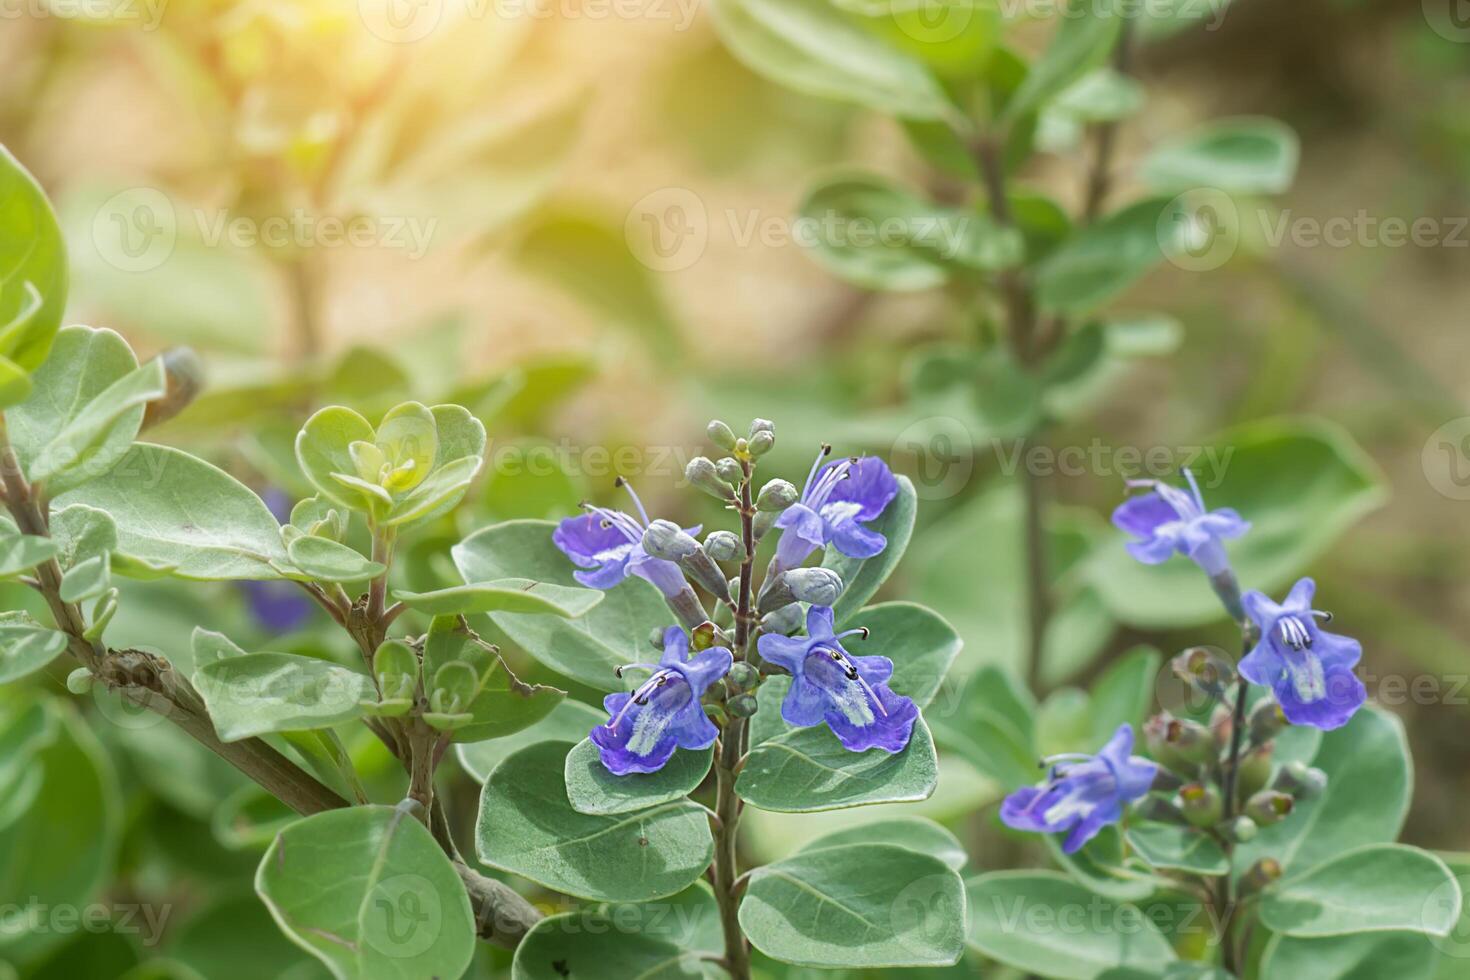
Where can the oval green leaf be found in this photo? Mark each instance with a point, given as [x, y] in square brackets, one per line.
[279, 692]
[1379, 888]
[592, 789]
[507, 595]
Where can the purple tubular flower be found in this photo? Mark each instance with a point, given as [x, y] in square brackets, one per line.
[608, 544]
[1309, 671]
[849, 693]
[1169, 520]
[1083, 793]
[665, 712]
[835, 503]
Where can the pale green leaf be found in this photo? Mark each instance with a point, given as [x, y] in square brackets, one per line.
[591, 788]
[275, 692]
[1378, 888]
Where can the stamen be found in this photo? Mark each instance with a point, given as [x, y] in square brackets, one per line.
[821, 455]
[619, 520]
[632, 493]
[618, 671]
[853, 632]
[1294, 633]
[1323, 615]
[829, 481]
[1198, 497]
[640, 696]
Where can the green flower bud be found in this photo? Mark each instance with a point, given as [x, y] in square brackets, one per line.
[742, 705]
[761, 425]
[742, 675]
[1259, 876]
[1190, 740]
[818, 586]
[667, 540]
[1300, 780]
[1204, 670]
[1265, 720]
[1202, 806]
[656, 638]
[183, 375]
[729, 470]
[724, 546]
[1255, 769]
[1242, 830]
[720, 434]
[79, 681]
[704, 475]
[786, 620]
[760, 443]
[777, 495]
[764, 521]
[1268, 807]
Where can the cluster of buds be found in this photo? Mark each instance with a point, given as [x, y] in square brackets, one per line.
[1193, 755]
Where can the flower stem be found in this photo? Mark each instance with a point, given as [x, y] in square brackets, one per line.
[731, 750]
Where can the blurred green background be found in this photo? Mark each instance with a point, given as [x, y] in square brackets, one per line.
[578, 223]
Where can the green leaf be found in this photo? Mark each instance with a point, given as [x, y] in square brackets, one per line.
[15, 384]
[1300, 482]
[1402, 955]
[507, 595]
[1378, 888]
[82, 532]
[501, 704]
[1124, 693]
[867, 905]
[592, 789]
[26, 646]
[87, 579]
[33, 267]
[322, 450]
[862, 578]
[1016, 916]
[1239, 156]
[588, 649]
[912, 833]
[277, 692]
[992, 725]
[1102, 95]
[177, 512]
[85, 410]
[569, 721]
[1083, 40]
[209, 646]
[1178, 848]
[808, 46]
[877, 234]
[674, 938]
[918, 641]
[800, 770]
[325, 560]
[1107, 257]
[396, 907]
[19, 552]
[1369, 781]
[528, 828]
[1102, 867]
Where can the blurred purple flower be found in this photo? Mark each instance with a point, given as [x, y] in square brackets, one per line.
[1169, 520]
[609, 545]
[835, 503]
[664, 713]
[1083, 793]
[850, 694]
[277, 607]
[1309, 671]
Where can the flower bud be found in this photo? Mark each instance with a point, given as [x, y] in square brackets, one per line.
[761, 425]
[704, 475]
[1241, 830]
[724, 546]
[777, 495]
[742, 705]
[1192, 741]
[1300, 780]
[818, 586]
[1201, 804]
[729, 470]
[1204, 670]
[1268, 807]
[183, 375]
[1259, 875]
[742, 675]
[785, 621]
[764, 521]
[1265, 720]
[79, 681]
[720, 434]
[1156, 737]
[1222, 725]
[1160, 810]
[667, 540]
[656, 638]
[1255, 768]
[760, 443]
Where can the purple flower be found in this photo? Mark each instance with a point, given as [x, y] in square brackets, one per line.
[609, 545]
[1083, 793]
[1168, 520]
[835, 503]
[665, 712]
[277, 607]
[849, 693]
[1310, 672]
